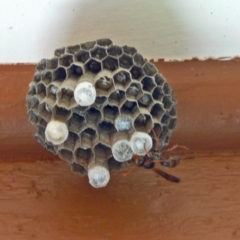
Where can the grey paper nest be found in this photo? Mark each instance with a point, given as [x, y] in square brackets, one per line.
[94, 105]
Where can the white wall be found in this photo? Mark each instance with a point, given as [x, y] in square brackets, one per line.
[169, 29]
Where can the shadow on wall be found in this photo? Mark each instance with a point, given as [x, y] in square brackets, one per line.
[144, 25]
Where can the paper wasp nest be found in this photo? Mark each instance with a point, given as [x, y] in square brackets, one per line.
[94, 105]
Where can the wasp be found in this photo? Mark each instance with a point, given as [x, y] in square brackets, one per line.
[149, 160]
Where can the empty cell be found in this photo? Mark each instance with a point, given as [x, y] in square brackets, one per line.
[59, 52]
[134, 90]
[47, 78]
[145, 100]
[98, 53]
[104, 42]
[102, 151]
[78, 168]
[93, 115]
[80, 110]
[172, 123]
[110, 63]
[159, 79]
[33, 117]
[59, 74]
[115, 51]
[129, 107]
[42, 122]
[173, 111]
[138, 59]
[82, 56]
[165, 119]
[66, 60]
[148, 84]
[125, 61]
[40, 131]
[94, 66]
[157, 111]
[110, 112]
[106, 126]
[66, 98]
[136, 72]
[37, 77]
[158, 94]
[76, 123]
[52, 63]
[100, 101]
[73, 49]
[44, 113]
[167, 102]
[117, 97]
[61, 114]
[149, 69]
[40, 139]
[122, 79]
[166, 88]
[41, 65]
[157, 128]
[143, 123]
[129, 50]
[164, 133]
[83, 155]
[66, 155]
[113, 164]
[88, 135]
[41, 91]
[51, 148]
[75, 71]
[33, 103]
[31, 90]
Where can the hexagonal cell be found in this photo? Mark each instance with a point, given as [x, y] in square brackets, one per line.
[51, 148]
[104, 86]
[104, 42]
[31, 90]
[143, 123]
[82, 56]
[59, 74]
[47, 77]
[129, 50]
[75, 71]
[32, 103]
[164, 133]
[98, 53]
[52, 63]
[66, 98]
[134, 91]
[41, 65]
[66, 60]
[44, 113]
[40, 91]
[167, 102]
[94, 66]
[52, 90]
[88, 45]
[122, 79]
[157, 128]
[42, 122]
[148, 84]
[136, 72]
[165, 119]
[166, 88]
[123, 123]
[158, 94]
[80, 110]
[159, 79]
[73, 49]
[58, 52]
[113, 164]
[125, 61]
[88, 137]
[100, 102]
[76, 123]
[115, 51]
[83, 155]
[110, 63]
[33, 117]
[78, 169]
[145, 100]
[102, 152]
[117, 97]
[66, 155]
[40, 140]
[172, 123]
[110, 113]
[157, 111]
[106, 127]
[149, 69]
[138, 59]
[37, 77]
[173, 111]
[130, 107]
[40, 131]
[61, 114]
[93, 116]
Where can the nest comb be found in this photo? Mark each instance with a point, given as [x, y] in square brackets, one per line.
[94, 105]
